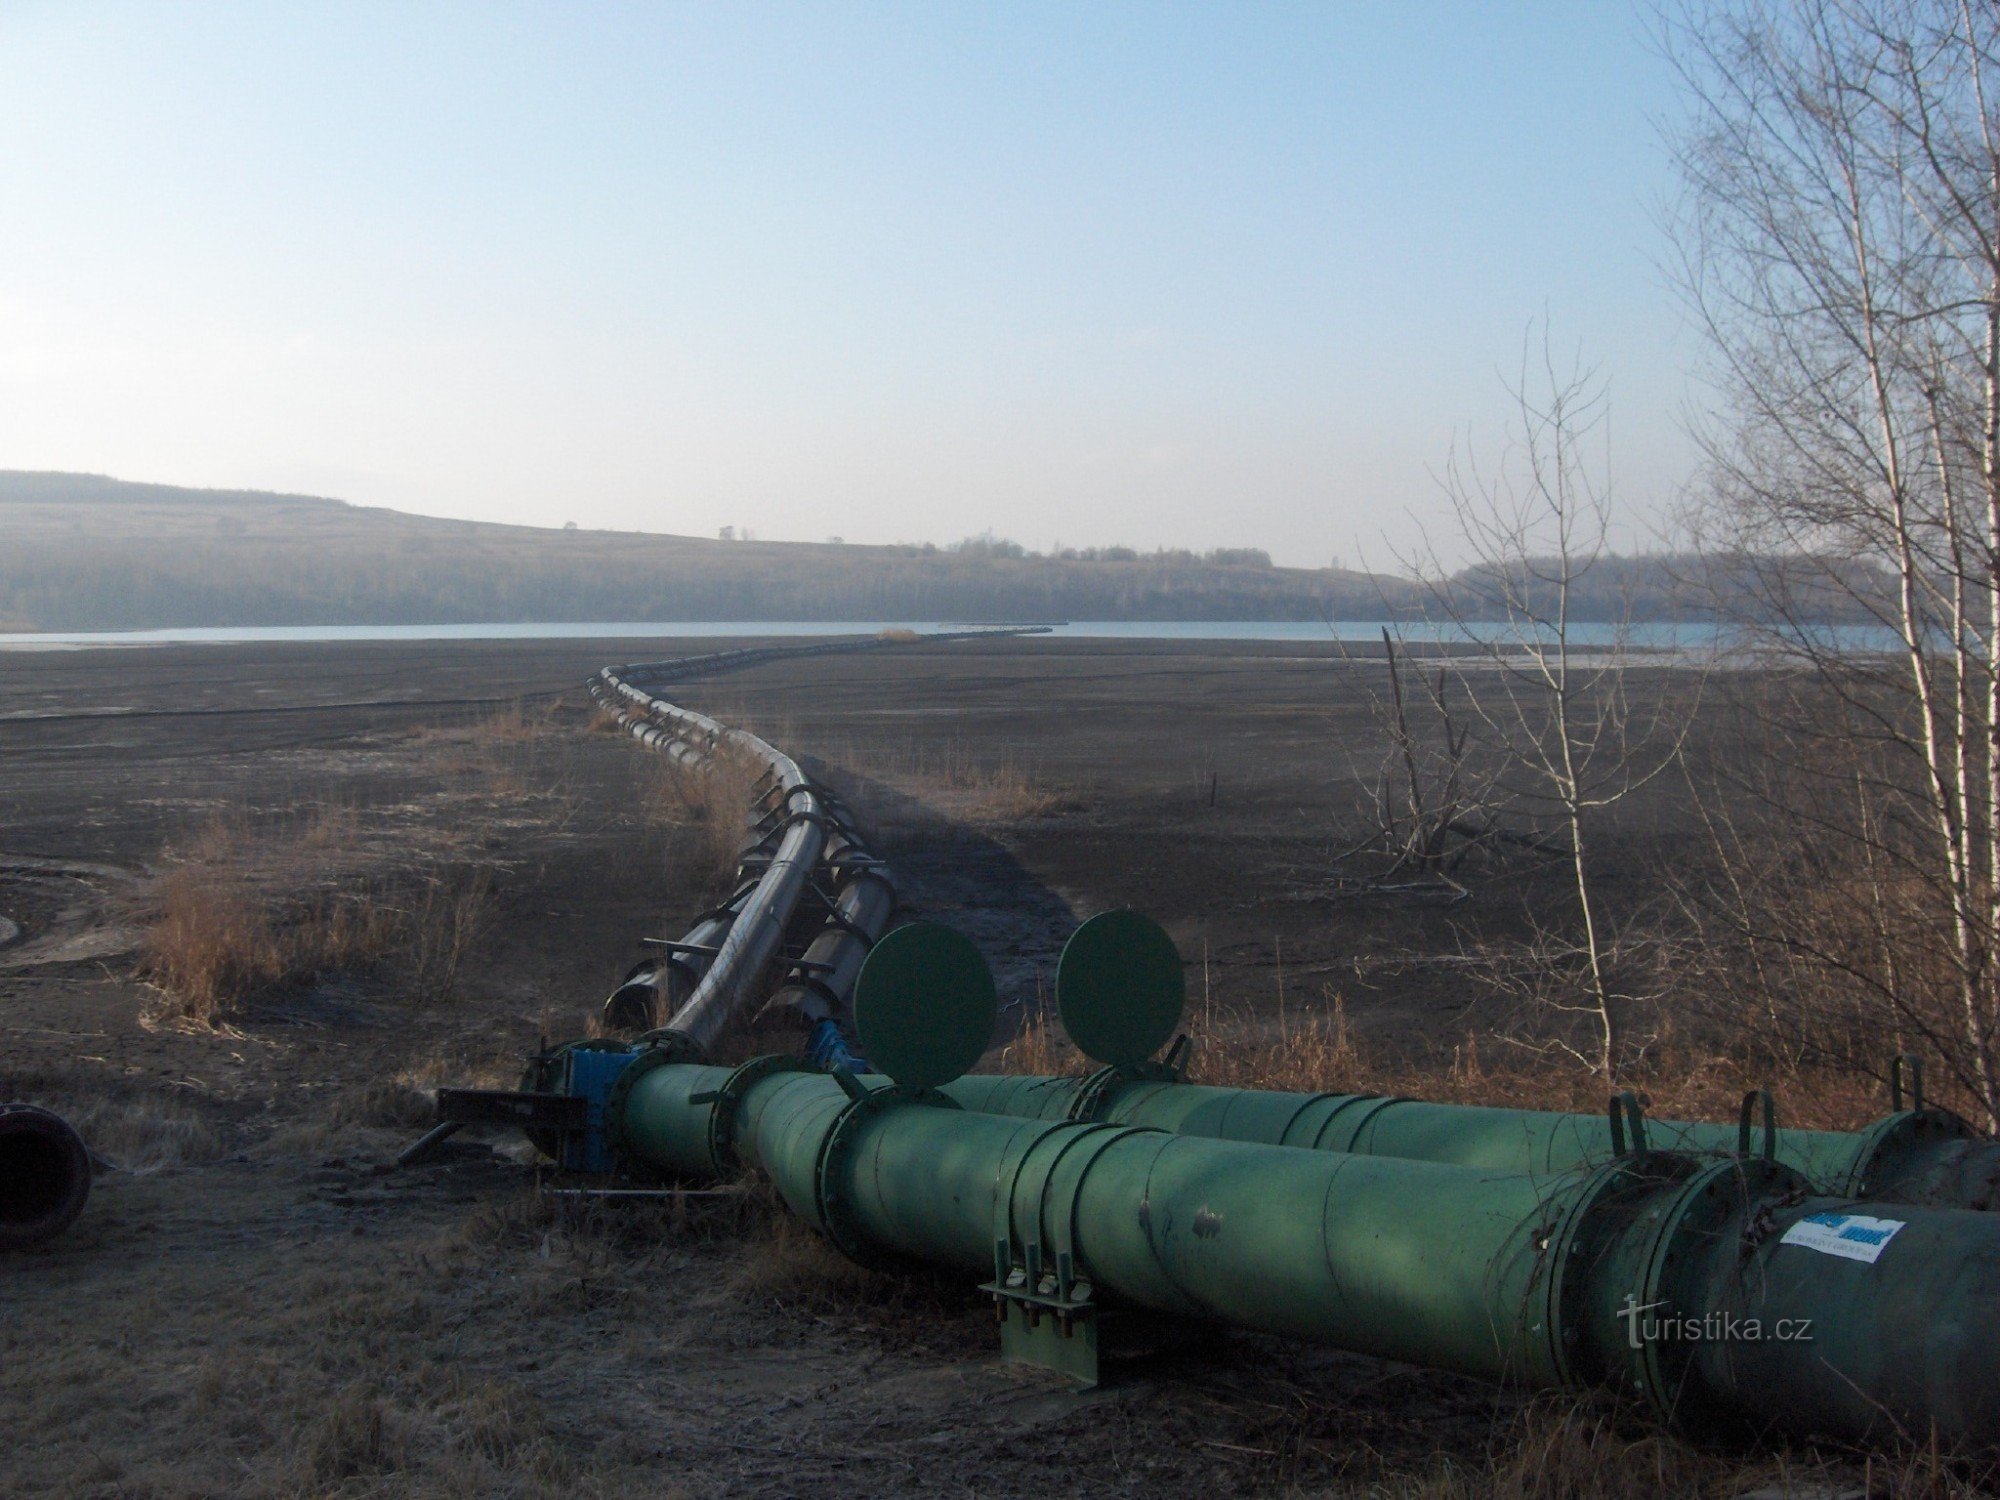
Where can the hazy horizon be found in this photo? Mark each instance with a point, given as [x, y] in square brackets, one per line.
[1152, 276]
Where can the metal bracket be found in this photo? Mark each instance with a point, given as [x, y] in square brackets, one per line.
[1770, 1125]
[805, 966]
[1627, 1116]
[516, 1107]
[1916, 1067]
[1047, 1312]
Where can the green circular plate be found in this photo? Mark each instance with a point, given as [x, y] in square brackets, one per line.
[924, 1005]
[1119, 987]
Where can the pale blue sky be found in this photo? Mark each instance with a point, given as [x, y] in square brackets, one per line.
[1151, 273]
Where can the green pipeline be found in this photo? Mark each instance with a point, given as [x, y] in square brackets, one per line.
[1662, 1274]
[1914, 1156]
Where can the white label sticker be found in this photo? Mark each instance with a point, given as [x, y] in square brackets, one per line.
[1853, 1236]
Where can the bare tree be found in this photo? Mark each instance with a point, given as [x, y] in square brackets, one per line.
[1841, 244]
[1547, 690]
[1428, 810]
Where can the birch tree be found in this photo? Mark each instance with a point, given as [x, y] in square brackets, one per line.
[1840, 243]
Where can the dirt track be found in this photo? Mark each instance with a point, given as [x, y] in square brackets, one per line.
[255, 1309]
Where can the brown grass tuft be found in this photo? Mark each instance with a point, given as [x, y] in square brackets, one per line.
[248, 911]
[210, 945]
[705, 808]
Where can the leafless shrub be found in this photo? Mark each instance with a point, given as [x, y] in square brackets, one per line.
[1566, 740]
[1428, 806]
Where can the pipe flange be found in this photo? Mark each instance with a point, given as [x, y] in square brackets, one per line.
[1601, 1205]
[836, 1215]
[1714, 1204]
[729, 1101]
[1879, 1149]
[657, 1052]
[545, 1069]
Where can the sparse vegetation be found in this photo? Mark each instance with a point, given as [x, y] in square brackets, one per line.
[706, 809]
[253, 908]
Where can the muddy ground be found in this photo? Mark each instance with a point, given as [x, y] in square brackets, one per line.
[252, 1306]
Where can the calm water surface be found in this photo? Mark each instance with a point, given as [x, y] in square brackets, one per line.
[1653, 636]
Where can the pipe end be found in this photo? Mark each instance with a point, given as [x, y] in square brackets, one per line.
[44, 1175]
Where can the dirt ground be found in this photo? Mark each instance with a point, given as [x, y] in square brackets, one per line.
[252, 1305]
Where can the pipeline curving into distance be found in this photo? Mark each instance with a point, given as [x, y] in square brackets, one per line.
[1739, 1281]
[800, 841]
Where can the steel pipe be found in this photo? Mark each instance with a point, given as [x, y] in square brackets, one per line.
[44, 1175]
[1920, 1156]
[861, 902]
[1724, 1293]
[747, 932]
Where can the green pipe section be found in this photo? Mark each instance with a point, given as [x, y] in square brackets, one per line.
[1921, 1156]
[1590, 1276]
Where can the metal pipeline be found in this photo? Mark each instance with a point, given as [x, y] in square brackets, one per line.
[860, 904]
[747, 930]
[1922, 1155]
[1120, 991]
[1725, 1293]
[710, 974]
[44, 1175]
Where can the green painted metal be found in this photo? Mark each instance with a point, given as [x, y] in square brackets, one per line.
[1546, 1280]
[924, 1004]
[1119, 987]
[1923, 1156]
[1120, 993]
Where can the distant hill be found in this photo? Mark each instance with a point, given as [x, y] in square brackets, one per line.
[83, 552]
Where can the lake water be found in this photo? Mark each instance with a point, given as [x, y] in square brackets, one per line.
[1651, 636]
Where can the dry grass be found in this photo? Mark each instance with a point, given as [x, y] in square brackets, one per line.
[953, 784]
[447, 914]
[899, 635]
[705, 810]
[135, 1123]
[1581, 1448]
[248, 910]
[211, 943]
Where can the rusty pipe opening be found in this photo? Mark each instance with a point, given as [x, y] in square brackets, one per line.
[44, 1175]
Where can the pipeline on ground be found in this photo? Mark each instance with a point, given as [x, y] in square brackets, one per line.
[1120, 995]
[1741, 1279]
